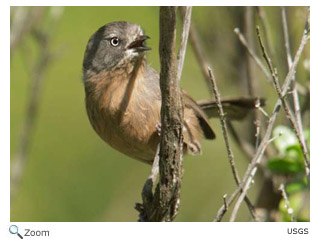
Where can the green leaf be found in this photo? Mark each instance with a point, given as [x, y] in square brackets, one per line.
[294, 152]
[300, 204]
[284, 166]
[296, 186]
[285, 138]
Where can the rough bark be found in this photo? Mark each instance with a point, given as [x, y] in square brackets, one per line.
[163, 204]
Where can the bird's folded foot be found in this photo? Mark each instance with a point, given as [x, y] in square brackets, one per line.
[158, 128]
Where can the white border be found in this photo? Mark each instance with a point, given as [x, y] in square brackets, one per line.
[156, 232]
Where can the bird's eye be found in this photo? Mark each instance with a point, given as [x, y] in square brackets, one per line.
[115, 41]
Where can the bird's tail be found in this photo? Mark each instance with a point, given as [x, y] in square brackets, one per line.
[234, 108]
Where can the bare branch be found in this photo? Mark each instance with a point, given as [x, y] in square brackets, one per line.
[254, 56]
[259, 62]
[199, 53]
[171, 141]
[287, 203]
[23, 21]
[226, 137]
[241, 197]
[256, 160]
[163, 205]
[226, 204]
[295, 96]
[248, 23]
[246, 188]
[266, 26]
[286, 36]
[186, 12]
[292, 70]
[285, 103]
[252, 86]
[43, 39]
[31, 114]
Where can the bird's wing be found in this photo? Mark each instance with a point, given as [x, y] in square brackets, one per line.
[234, 108]
[202, 117]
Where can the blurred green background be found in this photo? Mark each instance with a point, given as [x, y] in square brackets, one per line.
[71, 174]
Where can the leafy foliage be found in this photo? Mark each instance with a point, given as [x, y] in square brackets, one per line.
[290, 160]
[290, 163]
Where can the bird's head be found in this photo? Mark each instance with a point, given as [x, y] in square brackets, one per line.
[114, 45]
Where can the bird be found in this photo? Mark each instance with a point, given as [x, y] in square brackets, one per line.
[123, 97]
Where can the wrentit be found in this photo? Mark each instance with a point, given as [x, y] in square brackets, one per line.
[123, 98]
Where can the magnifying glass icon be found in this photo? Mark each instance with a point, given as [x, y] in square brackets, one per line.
[13, 229]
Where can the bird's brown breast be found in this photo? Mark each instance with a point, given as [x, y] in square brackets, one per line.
[121, 114]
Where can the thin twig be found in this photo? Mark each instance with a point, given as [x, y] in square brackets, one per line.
[246, 187]
[45, 56]
[24, 20]
[295, 96]
[225, 201]
[186, 12]
[251, 170]
[226, 204]
[252, 86]
[286, 36]
[31, 115]
[266, 26]
[248, 24]
[199, 53]
[259, 62]
[287, 203]
[252, 54]
[226, 137]
[241, 197]
[262, 67]
[285, 103]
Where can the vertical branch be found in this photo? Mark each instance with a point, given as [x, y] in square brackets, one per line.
[42, 39]
[186, 12]
[249, 36]
[252, 86]
[163, 204]
[286, 35]
[266, 27]
[31, 115]
[226, 137]
[199, 53]
[171, 140]
[23, 21]
[296, 103]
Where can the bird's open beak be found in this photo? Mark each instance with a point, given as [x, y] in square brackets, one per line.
[139, 44]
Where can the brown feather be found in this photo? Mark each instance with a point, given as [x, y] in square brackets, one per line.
[235, 108]
[202, 117]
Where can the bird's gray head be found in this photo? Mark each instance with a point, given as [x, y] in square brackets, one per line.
[114, 44]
